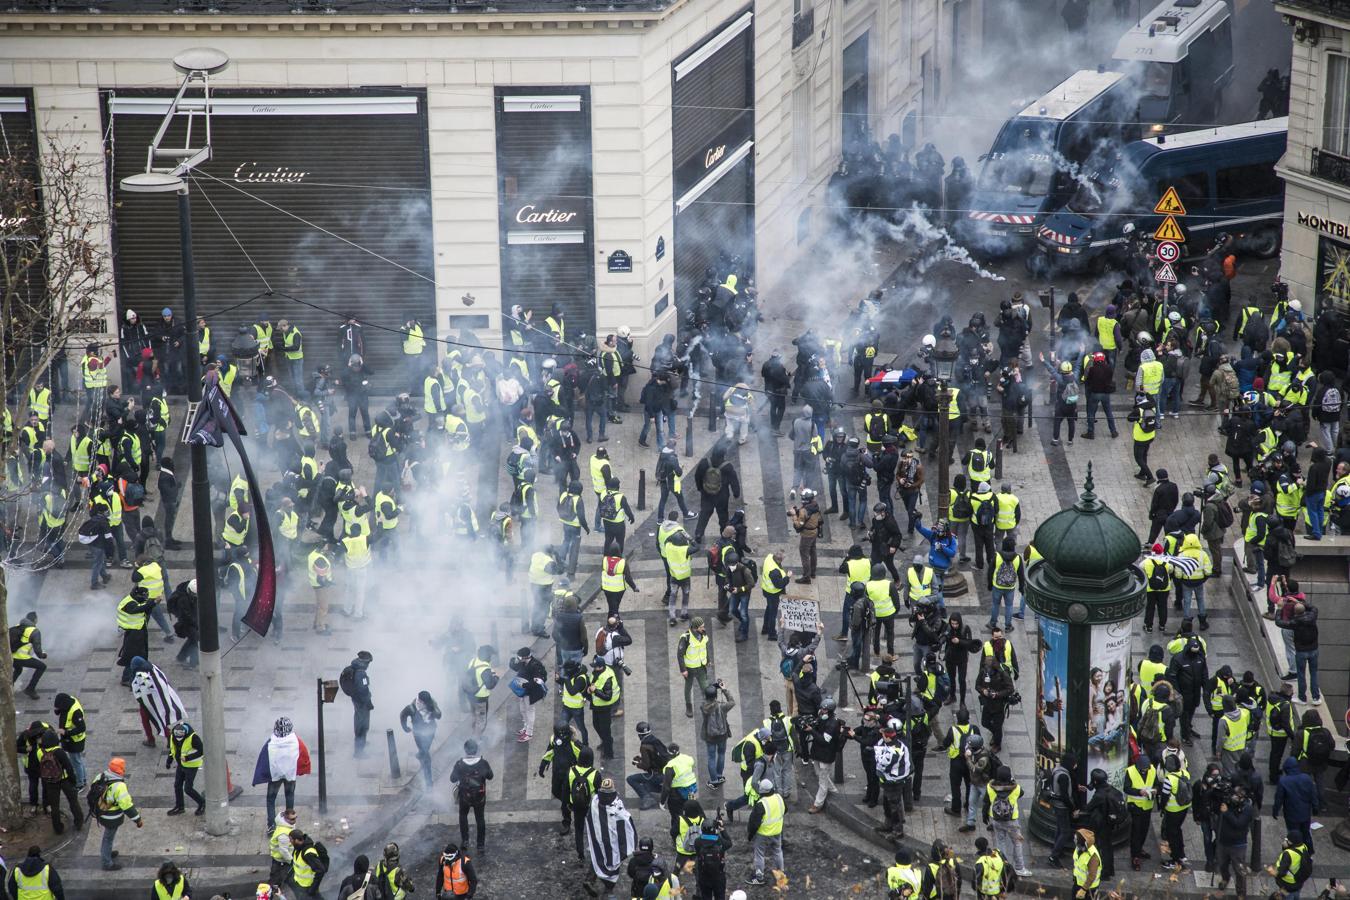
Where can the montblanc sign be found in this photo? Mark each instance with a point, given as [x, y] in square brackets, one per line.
[1320, 223]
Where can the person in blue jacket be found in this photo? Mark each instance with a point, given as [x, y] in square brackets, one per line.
[941, 551]
[1296, 795]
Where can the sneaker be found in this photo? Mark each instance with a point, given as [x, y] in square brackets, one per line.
[841, 637]
[1023, 873]
[1148, 629]
[176, 811]
[1019, 615]
[1054, 442]
[691, 515]
[1070, 442]
[1315, 826]
[966, 829]
[756, 878]
[522, 738]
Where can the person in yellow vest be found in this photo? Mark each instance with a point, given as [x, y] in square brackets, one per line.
[773, 581]
[456, 875]
[94, 380]
[604, 692]
[1291, 868]
[1008, 513]
[307, 866]
[171, 884]
[34, 879]
[691, 655]
[28, 654]
[133, 618]
[391, 878]
[906, 881]
[1144, 417]
[480, 679]
[293, 349]
[543, 575]
[279, 845]
[356, 556]
[676, 548]
[765, 832]
[414, 350]
[1087, 864]
[1193, 577]
[993, 873]
[1152, 667]
[185, 750]
[1236, 730]
[615, 577]
[884, 597]
[111, 805]
[387, 509]
[1140, 793]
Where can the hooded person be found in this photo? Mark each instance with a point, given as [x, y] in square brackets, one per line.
[34, 877]
[610, 835]
[282, 759]
[161, 707]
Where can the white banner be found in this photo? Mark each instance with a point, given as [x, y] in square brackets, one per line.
[799, 615]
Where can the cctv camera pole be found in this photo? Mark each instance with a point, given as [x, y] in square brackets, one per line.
[213, 687]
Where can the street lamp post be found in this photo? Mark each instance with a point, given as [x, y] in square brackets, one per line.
[326, 692]
[945, 354]
[197, 66]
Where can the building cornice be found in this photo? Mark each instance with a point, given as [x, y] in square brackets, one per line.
[1335, 13]
[1313, 183]
[317, 22]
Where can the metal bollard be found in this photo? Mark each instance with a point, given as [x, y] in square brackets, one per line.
[689, 434]
[841, 702]
[998, 459]
[394, 770]
[642, 489]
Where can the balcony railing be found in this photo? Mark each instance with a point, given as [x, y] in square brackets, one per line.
[1331, 166]
[803, 26]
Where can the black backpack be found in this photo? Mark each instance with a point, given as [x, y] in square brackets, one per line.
[609, 507]
[712, 481]
[1223, 514]
[710, 859]
[50, 768]
[15, 637]
[1320, 746]
[581, 791]
[961, 508]
[660, 753]
[985, 514]
[135, 493]
[1255, 333]
[1160, 580]
[472, 787]
[347, 680]
[1116, 811]
[778, 735]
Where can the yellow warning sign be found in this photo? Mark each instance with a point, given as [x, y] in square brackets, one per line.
[1169, 230]
[1170, 204]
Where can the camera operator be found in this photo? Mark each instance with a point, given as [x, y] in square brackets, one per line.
[716, 729]
[610, 640]
[1206, 795]
[995, 689]
[1233, 822]
[868, 735]
[827, 736]
[929, 630]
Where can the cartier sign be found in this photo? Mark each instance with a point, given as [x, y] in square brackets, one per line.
[256, 173]
[529, 214]
[714, 155]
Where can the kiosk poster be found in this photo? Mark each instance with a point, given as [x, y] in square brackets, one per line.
[1108, 701]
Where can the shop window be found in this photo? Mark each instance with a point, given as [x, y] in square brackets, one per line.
[1336, 106]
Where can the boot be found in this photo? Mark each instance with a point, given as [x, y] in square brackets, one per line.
[1204, 623]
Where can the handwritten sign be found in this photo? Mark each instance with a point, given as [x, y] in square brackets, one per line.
[799, 615]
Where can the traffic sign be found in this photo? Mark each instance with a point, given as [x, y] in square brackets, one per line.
[1165, 275]
[1170, 204]
[1168, 251]
[1169, 230]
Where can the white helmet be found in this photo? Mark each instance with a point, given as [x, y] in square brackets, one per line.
[625, 332]
[1296, 306]
[192, 585]
[1144, 338]
[1174, 316]
[550, 363]
[929, 340]
[1128, 228]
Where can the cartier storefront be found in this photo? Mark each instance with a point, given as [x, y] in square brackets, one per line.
[713, 142]
[544, 199]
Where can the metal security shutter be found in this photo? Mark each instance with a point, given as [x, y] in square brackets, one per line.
[710, 98]
[350, 163]
[18, 139]
[716, 226]
[544, 172]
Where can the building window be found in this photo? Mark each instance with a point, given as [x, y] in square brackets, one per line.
[1336, 106]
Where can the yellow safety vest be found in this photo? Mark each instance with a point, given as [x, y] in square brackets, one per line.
[678, 561]
[1149, 671]
[1221, 690]
[959, 733]
[458, 432]
[233, 534]
[920, 585]
[681, 767]
[1151, 376]
[611, 575]
[618, 505]
[607, 676]
[301, 870]
[1173, 804]
[766, 577]
[858, 570]
[991, 884]
[1137, 781]
[879, 592]
[69, 723]
[539, 573]
[1082, 862]
[54, 509]
[1293, 854]
[1236, 737]
[696, 651]
[80, 450]
[152, 579]
[598, 474]
[127, 620]
[290, 342]
[176, 748]
[429, 404]
[1006, 520]
[94, 378]
[567, 510]
[160, 407]
[386, 510]
[898, 877]
[290, 524]
[413, 341]
[772, 823]
[686, 826]
[25, 648]
[1011, 796]
[33, 887]
[40, 402]
[1106, 332]
[478, 667]
[204, 340]
[573, 700]
[977, 470]
[1253, 526]
[358, 551]
[315, 558]
[262, 332]
[954, 409]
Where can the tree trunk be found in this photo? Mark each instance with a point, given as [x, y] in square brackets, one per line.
[11, 810]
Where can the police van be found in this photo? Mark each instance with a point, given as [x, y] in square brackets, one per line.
[1225, 178]
[1180, 58]
[1037, 154]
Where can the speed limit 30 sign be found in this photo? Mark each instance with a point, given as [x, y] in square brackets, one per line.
[1168, 251]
